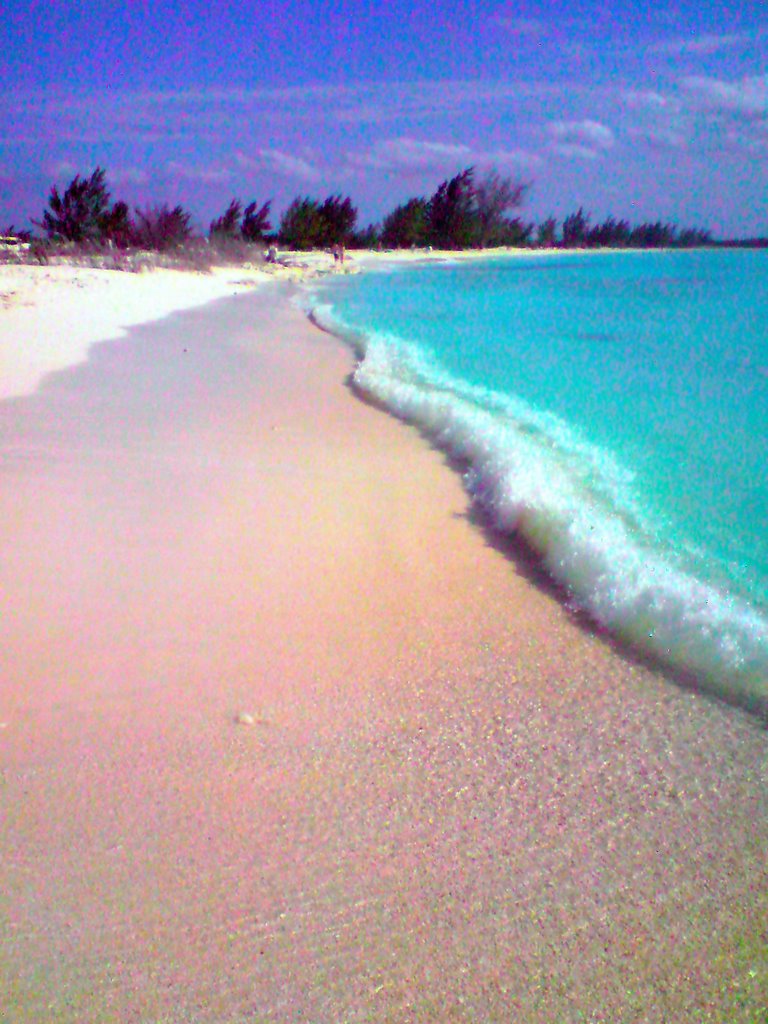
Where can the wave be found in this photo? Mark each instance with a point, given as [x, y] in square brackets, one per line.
[571, 502]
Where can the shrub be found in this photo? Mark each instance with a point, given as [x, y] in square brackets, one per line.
[228, 225]
[84, 212]
[162, 228]
[301, 226]
[12, 235]
[338, 217]
[494, 196]
[367, 238]
[546, 233]
[452, 215]
[309, 224]
[255, 223]
[406, 226]
[575, 229]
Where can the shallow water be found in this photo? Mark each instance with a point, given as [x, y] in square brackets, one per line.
[611, 409]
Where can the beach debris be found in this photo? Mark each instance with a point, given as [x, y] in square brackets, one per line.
[250, 718]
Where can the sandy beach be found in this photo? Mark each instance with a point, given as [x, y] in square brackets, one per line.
[287, 734]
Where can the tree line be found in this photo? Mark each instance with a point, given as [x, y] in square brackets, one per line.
[465, 211]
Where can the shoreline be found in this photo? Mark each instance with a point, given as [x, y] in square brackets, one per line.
[444, 410]
[81, 305]
[450, 800]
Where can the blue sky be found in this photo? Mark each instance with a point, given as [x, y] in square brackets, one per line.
[638, 111]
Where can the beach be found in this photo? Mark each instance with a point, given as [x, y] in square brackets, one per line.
[288, 733]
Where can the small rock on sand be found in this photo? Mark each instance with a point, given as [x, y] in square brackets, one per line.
[249, 718]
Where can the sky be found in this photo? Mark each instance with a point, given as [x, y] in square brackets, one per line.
[625, 108]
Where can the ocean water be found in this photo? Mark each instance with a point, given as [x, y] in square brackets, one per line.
[611, 410]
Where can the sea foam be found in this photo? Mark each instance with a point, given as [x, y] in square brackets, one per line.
[570, 501]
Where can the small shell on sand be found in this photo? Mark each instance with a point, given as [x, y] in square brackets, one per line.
[246, 718]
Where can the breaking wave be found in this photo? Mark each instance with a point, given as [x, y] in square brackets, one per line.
[571, 503]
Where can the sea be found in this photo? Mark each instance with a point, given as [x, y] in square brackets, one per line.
[609, 410]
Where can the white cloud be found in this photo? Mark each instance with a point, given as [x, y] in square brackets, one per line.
[585, 140]
[283, 163]
[572, 149]
[658, 120]
[734, 115]
[699, 44]
[659, 136]
[647, 99]
[131, 175]
[749, 96]
[414, 156]
[64, 169]
[206, 175]
[509, 158]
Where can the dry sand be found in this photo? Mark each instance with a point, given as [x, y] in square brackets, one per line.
[287, 735]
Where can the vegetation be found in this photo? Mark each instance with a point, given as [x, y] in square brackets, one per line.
[406, 226]
[228, 225]
[465, 211]
[311, 224]
[495, 196]
[250, 224]
[12, 234]
[575, 229]
[619, 234]
[452, 213]
[366, 238]
[161, 228]
[546, 233]
[255, 225]
[84, 213]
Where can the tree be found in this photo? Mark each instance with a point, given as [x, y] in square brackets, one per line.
[406, 225]
[255, 223]
[512, 231]
[692, 237]
[11, 234]
[612, 232]
[653, 235]
[162, 228]
[228, 224]
[463, 212]
[452, 215]
[251, 224]
[308, 224]
[84, 213]
[338, 218]
[301, 226]
[117, 226]
[494, 196]
[575, 228]
[365, 238]
[546, 233]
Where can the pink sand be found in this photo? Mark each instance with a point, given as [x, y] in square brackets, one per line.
[455, 802]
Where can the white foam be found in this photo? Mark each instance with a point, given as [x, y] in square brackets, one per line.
[572, 504]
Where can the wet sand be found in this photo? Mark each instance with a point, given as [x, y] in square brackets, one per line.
[446, 799]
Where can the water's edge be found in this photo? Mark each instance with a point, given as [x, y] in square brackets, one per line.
[689, 629]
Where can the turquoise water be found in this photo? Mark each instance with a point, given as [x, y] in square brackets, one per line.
[611, 409]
